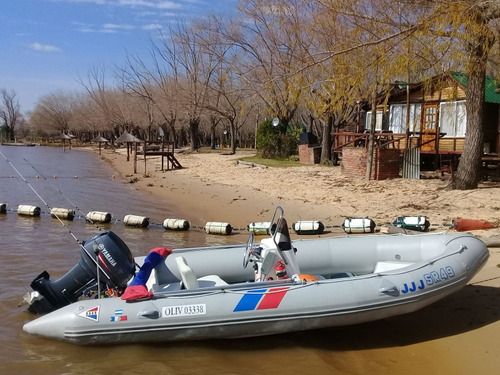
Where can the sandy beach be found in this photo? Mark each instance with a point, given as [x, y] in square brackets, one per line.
[459, 334]
[214, 187]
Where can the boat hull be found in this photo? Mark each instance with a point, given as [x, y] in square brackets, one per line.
[264, 308]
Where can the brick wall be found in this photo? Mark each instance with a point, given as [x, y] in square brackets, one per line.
[385, 163]
[309, 154]
[304, 154]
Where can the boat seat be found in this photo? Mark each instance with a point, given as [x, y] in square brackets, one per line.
[390, 266]
[210, 280]
[188, 277]
[189, 280]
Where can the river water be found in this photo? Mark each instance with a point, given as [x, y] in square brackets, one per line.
[80, 180]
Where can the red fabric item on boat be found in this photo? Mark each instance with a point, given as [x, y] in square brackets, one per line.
[137, 288]
[136, 292]
[162, 251]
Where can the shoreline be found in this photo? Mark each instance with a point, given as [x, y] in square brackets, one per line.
[458, 334]
[213, 187]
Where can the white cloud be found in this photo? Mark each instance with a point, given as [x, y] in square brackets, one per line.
[152, 26]
[150, 4]
[44, 47]
[158, 4]
[113, 26]
[168, 5]
[108, 28]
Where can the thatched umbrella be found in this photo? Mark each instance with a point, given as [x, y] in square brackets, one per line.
[101, 140]
[129, 139]
[65, 137]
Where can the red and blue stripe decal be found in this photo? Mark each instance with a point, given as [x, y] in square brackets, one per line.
[261, 299]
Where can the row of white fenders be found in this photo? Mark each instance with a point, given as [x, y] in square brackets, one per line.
[303, 227]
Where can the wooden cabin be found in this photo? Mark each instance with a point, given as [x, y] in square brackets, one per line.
[437, 119]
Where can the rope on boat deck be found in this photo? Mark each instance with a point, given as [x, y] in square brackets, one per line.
[280, 289]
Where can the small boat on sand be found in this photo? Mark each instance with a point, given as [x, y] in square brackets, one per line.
[18, 144]
[251, 289]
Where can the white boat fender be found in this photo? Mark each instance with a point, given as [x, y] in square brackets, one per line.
[3, 208]
[99, 217]
[308, 227]
[24, 209]
[176, 224]
[359, 225]
[260, 228]
[419, 223]
[136, 221]
[62, 213]
[214, 227]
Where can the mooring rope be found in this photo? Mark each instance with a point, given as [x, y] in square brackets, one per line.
[56, 189]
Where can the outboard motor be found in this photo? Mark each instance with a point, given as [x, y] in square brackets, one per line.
[116, 266]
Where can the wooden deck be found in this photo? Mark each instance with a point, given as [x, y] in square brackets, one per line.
[446, 155]
[163, 149]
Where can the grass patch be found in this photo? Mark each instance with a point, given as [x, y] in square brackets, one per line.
[273, 163]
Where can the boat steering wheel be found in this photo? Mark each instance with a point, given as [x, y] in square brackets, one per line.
[248, 250]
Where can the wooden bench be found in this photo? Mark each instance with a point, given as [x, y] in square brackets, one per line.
[490, 166]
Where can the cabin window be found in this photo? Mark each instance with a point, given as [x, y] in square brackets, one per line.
[397, 117]
[380, 120]
[453, 118]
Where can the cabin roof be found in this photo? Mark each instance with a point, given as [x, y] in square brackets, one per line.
[491, 84]
[490, 92]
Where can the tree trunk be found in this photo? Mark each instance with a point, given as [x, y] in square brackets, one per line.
[213, 140]
[371, 141]
[232, 134]
[326, 142]
[469, 168]
[193, 133]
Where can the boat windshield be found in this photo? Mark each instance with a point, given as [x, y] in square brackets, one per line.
[283, 236]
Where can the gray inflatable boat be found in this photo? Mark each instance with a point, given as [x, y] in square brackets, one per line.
[253, 289]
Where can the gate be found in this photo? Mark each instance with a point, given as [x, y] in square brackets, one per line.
[411, 163]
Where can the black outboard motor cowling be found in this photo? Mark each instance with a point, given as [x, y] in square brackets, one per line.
[116, 266]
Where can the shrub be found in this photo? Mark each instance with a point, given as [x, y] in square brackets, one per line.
[277, 141]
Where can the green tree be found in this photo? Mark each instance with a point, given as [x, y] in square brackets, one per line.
[277, 141]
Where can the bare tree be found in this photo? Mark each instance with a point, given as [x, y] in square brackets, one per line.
[57, 110]
[271, 48]
[228, 96]
[113, 115]
[193, 69]
[154, 86]
[10, 112]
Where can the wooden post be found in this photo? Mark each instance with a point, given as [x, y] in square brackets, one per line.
[373, 125]
[162, 155]
[407, 113]
[144, 151]
[135, 158]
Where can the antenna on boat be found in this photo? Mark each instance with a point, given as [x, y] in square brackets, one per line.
[96, 251]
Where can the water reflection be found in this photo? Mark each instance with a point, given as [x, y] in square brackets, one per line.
[30, 245]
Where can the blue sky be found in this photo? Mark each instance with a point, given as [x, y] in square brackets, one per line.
[48, 45]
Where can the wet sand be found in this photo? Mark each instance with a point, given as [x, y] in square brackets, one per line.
[459, 333]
